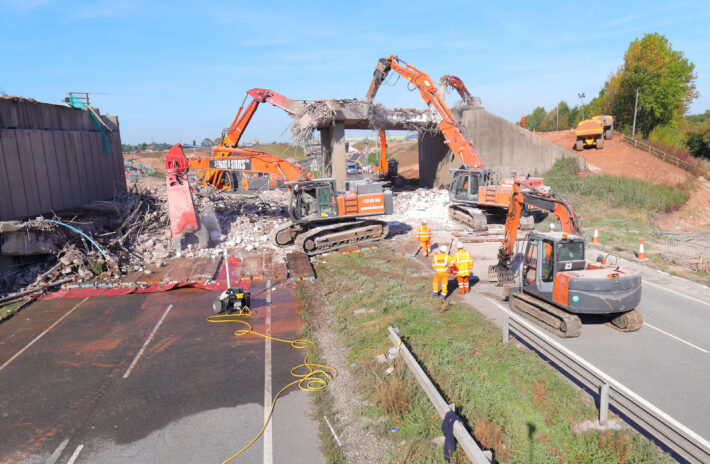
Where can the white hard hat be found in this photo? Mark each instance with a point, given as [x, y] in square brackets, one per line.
[423, 221]
[443, 249]
[552, 226]
[460, 245]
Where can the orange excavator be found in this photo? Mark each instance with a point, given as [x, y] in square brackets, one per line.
[386, 169]
[458, 85]
[229, 180]
[475, 192]
[322, 219]
[557, 283]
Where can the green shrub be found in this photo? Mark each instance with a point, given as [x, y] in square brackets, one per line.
[614, 191]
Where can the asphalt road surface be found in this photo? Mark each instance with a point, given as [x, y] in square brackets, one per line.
[144, 379]
[667, 361]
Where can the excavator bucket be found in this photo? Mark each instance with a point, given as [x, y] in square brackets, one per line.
[180, 207]
[383, 67]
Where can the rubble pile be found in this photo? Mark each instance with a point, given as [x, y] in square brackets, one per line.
[422, 204]
[133, 233]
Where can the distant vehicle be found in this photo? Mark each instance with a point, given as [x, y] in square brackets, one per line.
[353, 168]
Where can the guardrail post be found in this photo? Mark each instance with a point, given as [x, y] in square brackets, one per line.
[604, 403]
[506, 329]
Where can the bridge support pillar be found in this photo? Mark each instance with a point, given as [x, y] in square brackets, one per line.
[334, 153]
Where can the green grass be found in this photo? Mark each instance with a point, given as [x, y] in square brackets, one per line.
[623, 210]
[283, 150]
[509, 398]
[322, 400]
[614, 191]
[9, 309]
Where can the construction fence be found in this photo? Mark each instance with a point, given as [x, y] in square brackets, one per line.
[685, 165]
[692, 252]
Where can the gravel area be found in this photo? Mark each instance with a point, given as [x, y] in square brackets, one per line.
[359, 445]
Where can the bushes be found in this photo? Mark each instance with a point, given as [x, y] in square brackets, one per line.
[613, 190]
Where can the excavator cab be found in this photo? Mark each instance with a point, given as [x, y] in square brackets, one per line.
[465, 183]
[545, 256]
[314, 200]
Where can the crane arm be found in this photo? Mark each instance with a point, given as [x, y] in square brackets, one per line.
[530, 196]
[453, 136]
[236, 159]
[456, 83]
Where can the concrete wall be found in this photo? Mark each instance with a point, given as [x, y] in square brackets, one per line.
[503, 146]
[51, 159]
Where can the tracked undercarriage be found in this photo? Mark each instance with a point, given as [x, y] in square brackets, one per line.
[317, 238]
[563, 323]
[478, 219]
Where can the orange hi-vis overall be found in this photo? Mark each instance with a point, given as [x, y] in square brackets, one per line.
[424, 237]
[441, 263]
[464, 265]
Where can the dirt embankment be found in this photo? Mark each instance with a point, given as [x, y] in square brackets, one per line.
[407, 154]
[621, 159]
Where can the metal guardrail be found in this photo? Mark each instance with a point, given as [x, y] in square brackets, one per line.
[467, 443]
[677, 437]
[663, 155]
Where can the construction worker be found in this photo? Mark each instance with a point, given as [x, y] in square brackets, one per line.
[464, 265]
[245, 183]
[441, 263]
[424, 237]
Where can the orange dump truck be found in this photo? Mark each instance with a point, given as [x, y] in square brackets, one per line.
[608, 123]
[589, 132]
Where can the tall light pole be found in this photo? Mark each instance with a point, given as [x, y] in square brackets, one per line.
[636, 107]
[581, 97]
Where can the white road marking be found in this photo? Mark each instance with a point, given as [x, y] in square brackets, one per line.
[57, 452]
[42, 334]
[268, 432]
[603, 376]
[673, 336]
[76, 454]
[677, 293]
[145, 345]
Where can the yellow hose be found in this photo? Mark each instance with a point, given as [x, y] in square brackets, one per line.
[313, 377]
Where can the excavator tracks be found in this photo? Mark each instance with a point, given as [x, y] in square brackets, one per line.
[628, 322]
[562, 323]
[329, 237]
[469, 216]
[285, 235]
[477, 219]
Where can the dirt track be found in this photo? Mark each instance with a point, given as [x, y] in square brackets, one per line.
[621, 159]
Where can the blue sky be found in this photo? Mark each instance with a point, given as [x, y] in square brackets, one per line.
[177, 71]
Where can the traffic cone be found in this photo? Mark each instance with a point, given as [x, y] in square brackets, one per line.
[595, 239]
[642, 253]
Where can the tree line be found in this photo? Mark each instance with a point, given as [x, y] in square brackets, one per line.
[655, 82]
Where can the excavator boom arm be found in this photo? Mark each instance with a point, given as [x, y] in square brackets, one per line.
[456, 83]
[238, 159]
[561, 208]
[241, 120]
[453, 136]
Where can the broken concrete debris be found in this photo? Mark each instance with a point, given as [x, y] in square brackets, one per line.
[134, 234]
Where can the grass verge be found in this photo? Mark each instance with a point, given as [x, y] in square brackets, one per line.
[512, 401]
[322, 400]
[623, 210]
